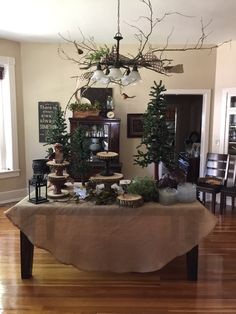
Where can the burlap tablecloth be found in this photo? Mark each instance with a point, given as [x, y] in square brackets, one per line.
[113, 238]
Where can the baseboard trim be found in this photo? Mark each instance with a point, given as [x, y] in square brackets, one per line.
[12, 196]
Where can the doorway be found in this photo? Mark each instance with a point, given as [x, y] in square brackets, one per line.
[201, 104]
[187, 119]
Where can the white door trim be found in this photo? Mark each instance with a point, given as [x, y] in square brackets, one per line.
[227, 93]
[206, 104]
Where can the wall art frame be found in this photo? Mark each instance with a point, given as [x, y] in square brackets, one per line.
[134, 125]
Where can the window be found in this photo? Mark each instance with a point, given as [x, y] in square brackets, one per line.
[9, 165]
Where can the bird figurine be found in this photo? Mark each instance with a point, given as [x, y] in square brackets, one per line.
[125, 96]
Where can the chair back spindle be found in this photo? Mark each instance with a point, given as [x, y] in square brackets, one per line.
[231, 176]
[217, 166]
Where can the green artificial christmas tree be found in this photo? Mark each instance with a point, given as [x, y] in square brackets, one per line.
[58, 133]
[80, 154]
[157, 141]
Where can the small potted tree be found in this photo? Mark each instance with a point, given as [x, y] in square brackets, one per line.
[80, 153]
[157, 141]
[58, 134]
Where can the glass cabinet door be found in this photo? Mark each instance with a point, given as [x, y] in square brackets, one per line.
[232, 134]
[230, 130]
[233, 102]
[98, 135]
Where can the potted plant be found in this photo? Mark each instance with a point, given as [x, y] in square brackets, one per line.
[144, 186]
[85, 109]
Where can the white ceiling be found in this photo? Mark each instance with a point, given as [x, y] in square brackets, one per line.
[43, 20]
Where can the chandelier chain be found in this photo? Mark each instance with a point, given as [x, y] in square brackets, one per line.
[118, 16]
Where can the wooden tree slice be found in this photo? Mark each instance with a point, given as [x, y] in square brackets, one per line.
[130, 200]
[98, 178]
[54, 164]
[106, 155]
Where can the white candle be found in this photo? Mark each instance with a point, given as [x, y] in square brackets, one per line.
[167, 196]
[186, 192]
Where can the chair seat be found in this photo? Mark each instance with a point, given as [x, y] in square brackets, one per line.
[210, 180]
[229, 190]
[210, 184]
[209, 188]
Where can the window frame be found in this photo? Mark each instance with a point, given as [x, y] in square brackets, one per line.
[9, 98]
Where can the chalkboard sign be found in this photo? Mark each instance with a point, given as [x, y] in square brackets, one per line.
[45, 112]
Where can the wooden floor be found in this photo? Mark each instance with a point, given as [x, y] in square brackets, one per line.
[57, 288]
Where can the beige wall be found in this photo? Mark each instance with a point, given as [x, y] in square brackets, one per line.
[47, 77]
[12, 49]
[225, 78]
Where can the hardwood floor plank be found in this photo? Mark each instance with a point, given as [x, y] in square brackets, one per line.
[56, 288]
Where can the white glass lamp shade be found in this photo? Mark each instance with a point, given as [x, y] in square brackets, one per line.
[97, 76]
[125, 80]
[104, 80]
[115, 74]
[134, 77]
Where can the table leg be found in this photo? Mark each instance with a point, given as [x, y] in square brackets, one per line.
[26, 256]
[192, 263]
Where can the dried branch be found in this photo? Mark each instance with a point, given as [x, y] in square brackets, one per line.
[142, 37]
[167, 43]
[203, 34]
[76, 92]
[191, 48]
[88, 54]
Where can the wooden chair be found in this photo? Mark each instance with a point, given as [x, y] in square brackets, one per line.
[215, 177]
[230, 188]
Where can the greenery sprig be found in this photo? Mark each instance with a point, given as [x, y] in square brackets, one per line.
[106, 196]
[77, 106]
[96, 56]
[144, 186]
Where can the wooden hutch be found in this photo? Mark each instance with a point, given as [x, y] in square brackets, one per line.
[104, 135]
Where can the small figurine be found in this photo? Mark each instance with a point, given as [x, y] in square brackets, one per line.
[58, 148]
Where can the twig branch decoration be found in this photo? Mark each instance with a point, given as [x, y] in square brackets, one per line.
[89, 55]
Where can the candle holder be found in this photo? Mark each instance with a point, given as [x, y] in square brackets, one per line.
[107, 158]
[58, 179]
[168, 196]
[38, 189]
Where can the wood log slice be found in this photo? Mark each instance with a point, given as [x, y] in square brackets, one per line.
[106, 155]
[130, 200]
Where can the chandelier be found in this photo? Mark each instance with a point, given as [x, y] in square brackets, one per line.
[104, 65]
[117, 68]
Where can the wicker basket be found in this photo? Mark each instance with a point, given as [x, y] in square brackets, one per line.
[85, 114]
